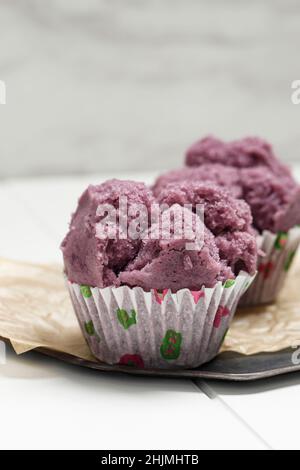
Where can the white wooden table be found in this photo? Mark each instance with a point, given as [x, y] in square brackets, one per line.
[48, 404]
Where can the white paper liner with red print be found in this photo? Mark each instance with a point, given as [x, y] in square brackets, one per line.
[156, 330]
[280, 250]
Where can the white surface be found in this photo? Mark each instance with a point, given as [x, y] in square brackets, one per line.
[270, 407]
[46, 404]
[129, 84]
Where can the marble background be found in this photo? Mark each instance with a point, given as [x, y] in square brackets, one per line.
[106, 85]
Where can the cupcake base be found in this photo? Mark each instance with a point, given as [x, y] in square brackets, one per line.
[156, 329]
[280, 250]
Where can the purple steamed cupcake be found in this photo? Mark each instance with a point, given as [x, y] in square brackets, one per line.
[164, 294]
[273, 195]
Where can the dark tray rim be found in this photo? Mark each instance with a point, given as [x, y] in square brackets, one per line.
[212, 371]
[227, 366]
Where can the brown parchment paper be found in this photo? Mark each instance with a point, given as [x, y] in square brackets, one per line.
[35, 311]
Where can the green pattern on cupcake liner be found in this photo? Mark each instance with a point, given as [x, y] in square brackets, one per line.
[229, 283]
[289, 260]
[281, 240]
[86, 291]
[125, 319]
[89, 328]
[171, 345]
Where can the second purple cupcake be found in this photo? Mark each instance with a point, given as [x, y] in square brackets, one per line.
[249, 169]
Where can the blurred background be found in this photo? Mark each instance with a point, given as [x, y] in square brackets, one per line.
[127, 85]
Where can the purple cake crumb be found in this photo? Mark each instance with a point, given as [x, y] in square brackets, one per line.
[244, 153]
[221, 210]
[251, 171]
[223, 176]
[165, 262]
[274, 200]
[239, 250]
[93, 261]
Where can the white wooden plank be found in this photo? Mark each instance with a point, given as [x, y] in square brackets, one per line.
[21, 237]
[270, 407]
[46, 404]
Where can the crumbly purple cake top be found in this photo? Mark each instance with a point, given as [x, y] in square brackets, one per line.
[165, 261]
[92, 260]
[222, 212]
[223, 176]
[251, 171]
[249, 152]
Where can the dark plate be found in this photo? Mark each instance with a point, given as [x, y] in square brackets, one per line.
[228, 366]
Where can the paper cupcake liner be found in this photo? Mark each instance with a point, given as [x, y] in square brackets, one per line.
[280, 250]
[156, 330]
